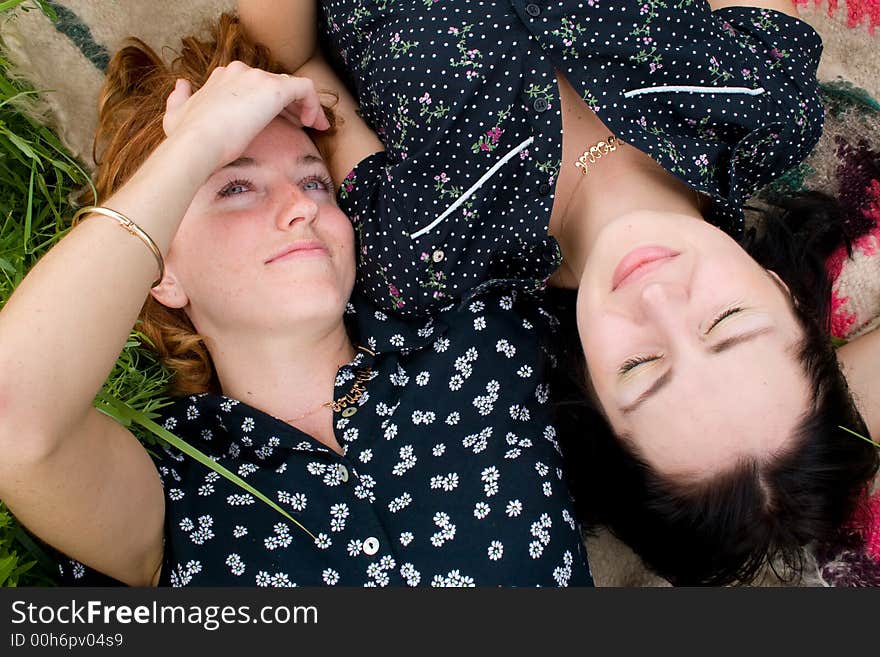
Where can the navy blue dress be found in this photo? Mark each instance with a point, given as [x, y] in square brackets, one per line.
[464, 96]
[451, 473]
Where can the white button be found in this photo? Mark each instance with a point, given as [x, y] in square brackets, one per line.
[343, 473]
[371, 546]
[438, 256]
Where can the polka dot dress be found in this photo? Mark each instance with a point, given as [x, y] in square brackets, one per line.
[464, 96]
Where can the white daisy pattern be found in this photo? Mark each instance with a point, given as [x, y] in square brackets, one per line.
[425, 492]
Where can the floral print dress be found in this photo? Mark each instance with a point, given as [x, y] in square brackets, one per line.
[465, 99]
[451, 473]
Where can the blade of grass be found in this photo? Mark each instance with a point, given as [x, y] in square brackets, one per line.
[28, 216]
[10, 4]
[124, 414]
[858, 435]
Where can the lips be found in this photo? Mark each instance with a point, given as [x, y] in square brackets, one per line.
[640, 262]
[301, 248]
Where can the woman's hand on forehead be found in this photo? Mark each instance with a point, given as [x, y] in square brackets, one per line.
[235, 105]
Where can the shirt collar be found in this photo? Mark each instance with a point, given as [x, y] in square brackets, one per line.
[382, 333]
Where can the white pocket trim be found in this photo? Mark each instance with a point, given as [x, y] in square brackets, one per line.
[470, 192]
[690, 89]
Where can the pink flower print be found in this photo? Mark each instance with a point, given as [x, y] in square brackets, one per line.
[713, 61]
[494, 134]
[424, 257]
[473, 53]
[702, 159]
[775, 54]
[396, 38]
[442, 177]
[644, 10]
[524, 154]
[647, 41]
[453, 30]
[567, 42]
[393, 289]
[746, 72]
[484, 146]
[655, 67]
[643, 122]
[426, 99]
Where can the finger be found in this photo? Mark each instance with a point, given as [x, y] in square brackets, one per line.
[175, 101]
[307, 105]
[286, 114]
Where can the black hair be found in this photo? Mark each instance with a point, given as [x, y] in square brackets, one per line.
[727, 528]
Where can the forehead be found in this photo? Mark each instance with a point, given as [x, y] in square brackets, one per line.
[722, 409]
[283, 140]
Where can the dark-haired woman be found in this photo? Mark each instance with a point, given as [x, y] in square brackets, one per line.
[712, 370]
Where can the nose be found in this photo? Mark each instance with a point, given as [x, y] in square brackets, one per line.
[300, 207]
[664, 303]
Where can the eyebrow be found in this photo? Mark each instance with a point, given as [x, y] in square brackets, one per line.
[715, 349]
[308, 158]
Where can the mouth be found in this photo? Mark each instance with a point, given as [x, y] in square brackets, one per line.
[639, 262]
[305, 248]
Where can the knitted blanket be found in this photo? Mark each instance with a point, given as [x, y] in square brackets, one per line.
[66, 60]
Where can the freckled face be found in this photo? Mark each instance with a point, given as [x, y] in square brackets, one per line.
[263, 244]
[690, 344]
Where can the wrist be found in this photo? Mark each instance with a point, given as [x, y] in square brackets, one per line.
[159, 193]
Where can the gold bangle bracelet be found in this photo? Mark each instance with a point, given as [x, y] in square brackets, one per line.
[131, 227]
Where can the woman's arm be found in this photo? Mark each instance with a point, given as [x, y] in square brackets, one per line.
[288, 27]
[78, 480]
[353, 139]
[860, 361]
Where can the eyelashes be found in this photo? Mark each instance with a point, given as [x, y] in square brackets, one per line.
[245, 185]
[631, 363]
[226, 190]
[724, 315]
[635, 361]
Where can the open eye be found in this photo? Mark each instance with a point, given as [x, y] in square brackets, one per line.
[317, 183]
[235, 187]
[631, 363]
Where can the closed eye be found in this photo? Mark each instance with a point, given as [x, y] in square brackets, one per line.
[724, 315]
[631, 363]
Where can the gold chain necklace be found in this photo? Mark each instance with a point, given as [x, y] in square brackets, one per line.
[595, 152]
[349, 399]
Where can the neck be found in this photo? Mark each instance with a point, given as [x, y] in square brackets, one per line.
[285, 375]
[623, 182]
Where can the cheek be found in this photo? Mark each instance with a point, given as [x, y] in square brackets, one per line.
[607, 340]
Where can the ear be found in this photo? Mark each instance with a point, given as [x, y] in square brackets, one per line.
[781, 283]
[169, 292]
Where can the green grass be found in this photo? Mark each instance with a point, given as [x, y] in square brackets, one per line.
[37, 178]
